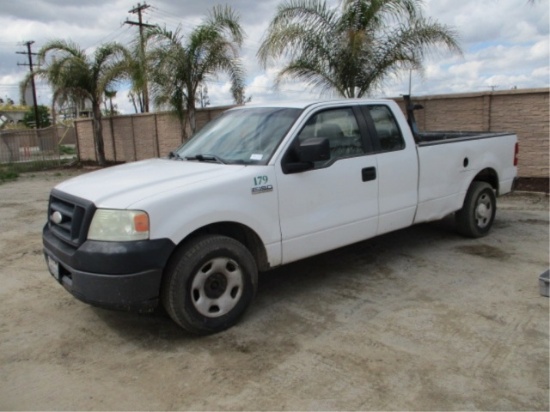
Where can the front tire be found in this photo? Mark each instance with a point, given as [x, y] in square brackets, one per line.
[476, 217]
[209, 284]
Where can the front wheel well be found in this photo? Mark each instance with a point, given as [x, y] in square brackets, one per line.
[240, 233]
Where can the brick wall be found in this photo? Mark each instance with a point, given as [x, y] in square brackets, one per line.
[138, 136]
[523, 112]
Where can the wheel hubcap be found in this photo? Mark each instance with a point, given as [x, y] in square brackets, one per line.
[217, 287]
[484, 211]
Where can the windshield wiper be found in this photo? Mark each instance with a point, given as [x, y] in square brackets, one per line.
[206, 158]
[175, 155]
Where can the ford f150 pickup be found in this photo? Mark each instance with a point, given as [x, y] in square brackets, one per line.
[259, 187]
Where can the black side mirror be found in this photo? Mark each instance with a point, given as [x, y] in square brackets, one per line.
[312, 150]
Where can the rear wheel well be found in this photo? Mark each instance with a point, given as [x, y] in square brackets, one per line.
[240, 233]
[488, 176]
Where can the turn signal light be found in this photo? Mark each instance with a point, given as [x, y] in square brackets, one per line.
[141, 223]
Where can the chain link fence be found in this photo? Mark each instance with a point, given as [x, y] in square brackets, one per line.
[51, 144]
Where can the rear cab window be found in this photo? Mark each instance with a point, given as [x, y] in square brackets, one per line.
[387, 134]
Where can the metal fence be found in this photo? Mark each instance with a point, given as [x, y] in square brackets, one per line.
[49, 144]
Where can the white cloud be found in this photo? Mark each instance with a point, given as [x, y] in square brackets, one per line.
[541, 72]
[539, 51]
[505, 42]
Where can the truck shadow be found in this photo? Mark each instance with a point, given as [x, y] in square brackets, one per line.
[370, 257]
[294, 282]
[147, 329]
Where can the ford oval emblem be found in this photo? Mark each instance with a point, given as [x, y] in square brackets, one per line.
[56, 217]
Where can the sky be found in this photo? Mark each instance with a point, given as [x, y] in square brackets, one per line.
[505, 44]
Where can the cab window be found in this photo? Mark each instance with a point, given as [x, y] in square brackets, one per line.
[387, 131]
[340, 128]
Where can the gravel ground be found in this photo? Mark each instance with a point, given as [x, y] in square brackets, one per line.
[420, 319]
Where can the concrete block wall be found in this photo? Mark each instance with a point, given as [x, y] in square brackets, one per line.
[169, 133]
[527, 115]
[523, 112]
[85, 139]
[138, 136]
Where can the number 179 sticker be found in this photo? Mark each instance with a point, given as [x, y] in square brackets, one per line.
[261, 185]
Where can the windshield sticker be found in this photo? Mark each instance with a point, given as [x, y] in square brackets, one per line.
[256, 156]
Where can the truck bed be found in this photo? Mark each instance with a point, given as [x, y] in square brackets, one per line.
[429, 138]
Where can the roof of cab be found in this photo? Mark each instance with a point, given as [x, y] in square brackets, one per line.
[302, 104]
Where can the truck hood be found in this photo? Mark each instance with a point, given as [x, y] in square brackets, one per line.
[121, 186]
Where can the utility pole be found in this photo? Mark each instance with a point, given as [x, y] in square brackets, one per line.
[138, 9]
[30, 54]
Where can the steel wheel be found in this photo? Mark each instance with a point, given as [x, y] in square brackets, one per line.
[217, 287]
[484, 211]
[209, 283]
[478, 212]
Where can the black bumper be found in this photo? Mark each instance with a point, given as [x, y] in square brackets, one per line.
[115, 275]
[515, 184]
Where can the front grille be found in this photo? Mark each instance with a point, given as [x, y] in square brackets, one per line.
[74, 215]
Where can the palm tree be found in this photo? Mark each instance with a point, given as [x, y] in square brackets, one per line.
[110, 94]
[71, 72]
[180, 64]
[351, 50]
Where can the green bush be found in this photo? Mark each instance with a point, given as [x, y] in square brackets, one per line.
[43, 115]
[67, 150]
[11, 171]
[38, 165]
[7, 174]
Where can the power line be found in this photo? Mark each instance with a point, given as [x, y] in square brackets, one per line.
[118, 34]
[16, 86]
[170, 16]
[139, 10]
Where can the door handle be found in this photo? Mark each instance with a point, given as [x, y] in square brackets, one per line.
[368, 174]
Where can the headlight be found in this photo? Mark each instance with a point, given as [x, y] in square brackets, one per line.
[119, 225]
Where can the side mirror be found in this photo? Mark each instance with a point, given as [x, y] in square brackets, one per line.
[312, 150]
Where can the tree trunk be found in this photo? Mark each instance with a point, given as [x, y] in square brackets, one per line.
[191, 114]
[183, 125]
[98, 133]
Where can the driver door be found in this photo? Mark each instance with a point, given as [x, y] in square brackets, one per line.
[336, 202]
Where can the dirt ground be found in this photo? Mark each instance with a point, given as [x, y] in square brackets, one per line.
[420, 319]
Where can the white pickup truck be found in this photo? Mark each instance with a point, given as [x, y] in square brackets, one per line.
[259, 187]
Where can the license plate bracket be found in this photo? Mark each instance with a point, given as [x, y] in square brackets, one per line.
[53, 267]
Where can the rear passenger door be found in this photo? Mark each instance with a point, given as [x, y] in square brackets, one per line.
[397, 166]
[336, 203]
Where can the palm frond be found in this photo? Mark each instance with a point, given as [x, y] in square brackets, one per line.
[296, 25]
[180, 64]
[354, 50]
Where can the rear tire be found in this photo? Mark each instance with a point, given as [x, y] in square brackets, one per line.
[476, 217]
[209, 284]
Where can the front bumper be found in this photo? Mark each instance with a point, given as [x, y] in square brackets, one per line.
[115, 275]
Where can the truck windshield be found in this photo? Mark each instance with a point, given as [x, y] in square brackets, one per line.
[242, 136]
